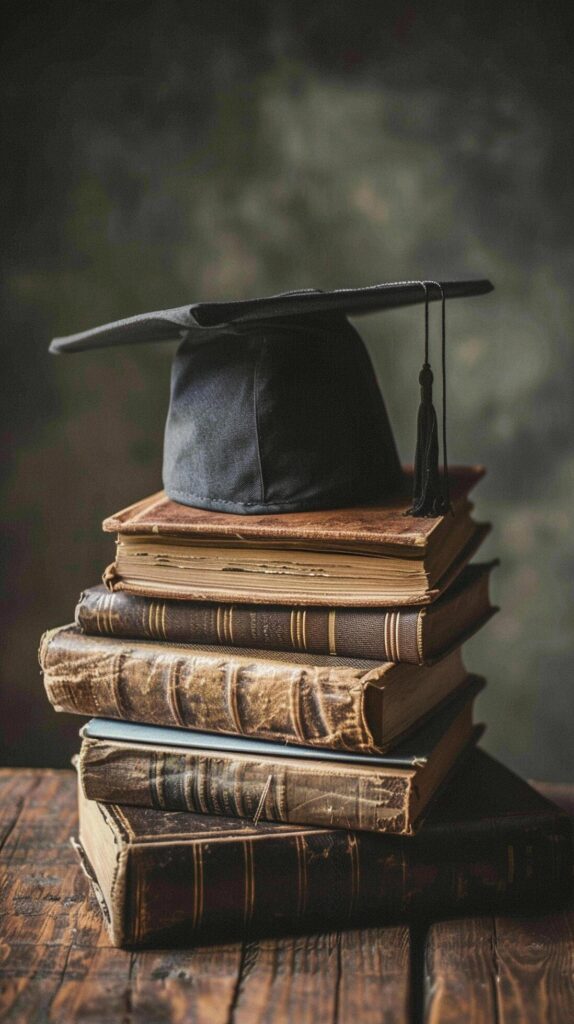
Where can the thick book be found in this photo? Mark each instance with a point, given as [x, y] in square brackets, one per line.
[306, 699]
[490, 844]
[369, 556]
[179, 770]
[414, 635]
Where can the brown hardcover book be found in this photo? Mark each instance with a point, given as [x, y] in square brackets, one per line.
[178, 770]
[414, 635]
[490, 844]
[368, 556]
[306, 699]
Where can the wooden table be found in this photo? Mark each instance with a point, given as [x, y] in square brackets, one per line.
[57, 965]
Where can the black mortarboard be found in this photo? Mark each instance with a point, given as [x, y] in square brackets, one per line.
[274, 403]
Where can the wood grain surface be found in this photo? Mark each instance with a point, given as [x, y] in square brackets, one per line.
[56, 964]
[505, 970]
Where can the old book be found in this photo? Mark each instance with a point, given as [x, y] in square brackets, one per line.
[490, 844]
[369, 556]
[308, 699]
[180, 770]
[414, 635]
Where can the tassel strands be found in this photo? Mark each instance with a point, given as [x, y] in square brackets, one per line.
[430, 492]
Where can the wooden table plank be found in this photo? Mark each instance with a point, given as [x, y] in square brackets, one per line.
[535, 968]
[458, 973]
[375, 983]
[508, 970]
[334, 977]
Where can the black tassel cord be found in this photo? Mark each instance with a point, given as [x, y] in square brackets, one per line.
[430, 492]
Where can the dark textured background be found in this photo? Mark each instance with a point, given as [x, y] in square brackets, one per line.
[159, 153]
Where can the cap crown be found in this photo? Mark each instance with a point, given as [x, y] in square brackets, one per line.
[279, 416]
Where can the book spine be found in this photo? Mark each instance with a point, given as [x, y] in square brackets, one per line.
[383, 635]
[334, 879]
[234, 787]
[215, 691]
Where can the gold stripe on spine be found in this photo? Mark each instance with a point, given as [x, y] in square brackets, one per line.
[188, 784]
[110, 618]
[296, 710]
[163, 610]
[304, 628]
[397, 637]
[197, 884]
[302, 883]
[231, 640]
[238, 791]
[217, 626]
[249, 882]
[385, 636]
[291, 630]
[332, 630]
[420, 650]
[172, 694]
[152, 620]
[160, 779]
[232, 705]
[392, 635]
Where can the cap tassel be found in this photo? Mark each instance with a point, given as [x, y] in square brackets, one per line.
[430, 493]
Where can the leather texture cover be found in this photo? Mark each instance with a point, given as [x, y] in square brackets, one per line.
[490, 845]
[312, 700]
[414, 635]
[364, 528]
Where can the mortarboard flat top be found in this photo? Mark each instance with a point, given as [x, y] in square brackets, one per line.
[274, 403]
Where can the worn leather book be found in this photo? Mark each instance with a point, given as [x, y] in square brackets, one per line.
[490, 844]
[414, 635]
[368, 556]
[308, 699]
[180, 770]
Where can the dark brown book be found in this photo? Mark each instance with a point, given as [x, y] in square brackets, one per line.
[181, 770]
[368, 556]
[414, 635]
[490, 844]
[306, 699]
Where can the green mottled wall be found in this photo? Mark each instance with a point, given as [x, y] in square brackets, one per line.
[158, 153]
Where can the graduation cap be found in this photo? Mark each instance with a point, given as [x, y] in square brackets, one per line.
[274, 402]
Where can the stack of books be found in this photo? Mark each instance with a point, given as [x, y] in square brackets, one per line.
[283, 733]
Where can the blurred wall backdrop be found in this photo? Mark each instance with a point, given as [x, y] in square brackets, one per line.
[159, 153]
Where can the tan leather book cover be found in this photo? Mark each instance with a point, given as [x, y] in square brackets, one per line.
[367, 527]
[305, 699]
